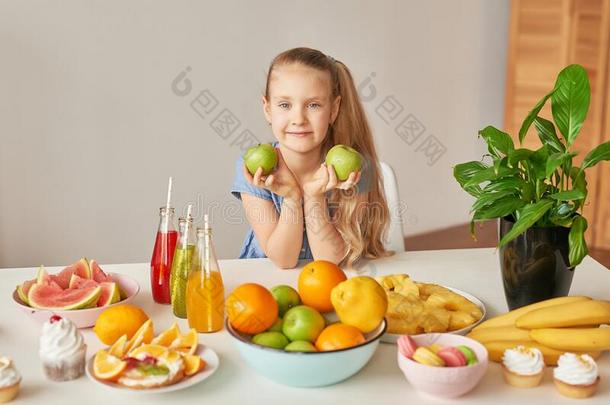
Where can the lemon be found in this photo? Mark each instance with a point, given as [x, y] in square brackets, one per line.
[360, 302]
[118, 321]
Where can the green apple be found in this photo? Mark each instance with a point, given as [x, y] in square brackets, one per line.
[345, 160]
[300, 346]
[277, 326]
[286, 297]
[275, 340]
[303, 323]
[262, 155]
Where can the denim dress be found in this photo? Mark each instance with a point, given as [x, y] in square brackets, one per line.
[251, 248]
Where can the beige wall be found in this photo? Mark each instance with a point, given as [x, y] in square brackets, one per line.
[91, 129]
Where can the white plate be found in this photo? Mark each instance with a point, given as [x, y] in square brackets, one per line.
[207, 354]
[392, 337]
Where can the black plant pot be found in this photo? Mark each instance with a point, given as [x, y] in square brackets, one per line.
[535, 265]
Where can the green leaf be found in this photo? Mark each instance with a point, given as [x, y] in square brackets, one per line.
[519, 155]
[498, 143]
[531, 116]
[464, 172]
[488, 174]
[568, 195]
[576, 240]
[579, 182]
[562, 214]
[527, 217]
[506, 183]
[489, 198]
[538, 162]
[599, 153]
[570, 101]
[553, 162]
[499, 208]
[547, 135]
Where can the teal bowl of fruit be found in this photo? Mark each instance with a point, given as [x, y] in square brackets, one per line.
[307, 369]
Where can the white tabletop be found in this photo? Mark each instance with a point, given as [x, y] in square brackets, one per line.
[472, 270]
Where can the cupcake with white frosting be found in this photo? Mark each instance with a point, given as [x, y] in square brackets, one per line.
[62, 350]
[10, 380]
[523, 367]
[576, 376]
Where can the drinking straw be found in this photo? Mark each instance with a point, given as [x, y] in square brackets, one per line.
[169, 193]
[206, 226]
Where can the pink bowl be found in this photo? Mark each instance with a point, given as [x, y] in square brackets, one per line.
[82, 318]
[444, 382]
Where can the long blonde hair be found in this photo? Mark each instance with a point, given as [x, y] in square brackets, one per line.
[362, 219]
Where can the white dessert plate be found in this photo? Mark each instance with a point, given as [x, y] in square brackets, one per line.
[393, 337]
[208, 355]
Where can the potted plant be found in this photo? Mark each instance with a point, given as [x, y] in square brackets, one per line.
[537, 195]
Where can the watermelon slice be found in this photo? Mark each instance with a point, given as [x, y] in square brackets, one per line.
[24, 289]
[97, 273]
[110, 294]
[47, 297]
[80, 268]
[79, 282]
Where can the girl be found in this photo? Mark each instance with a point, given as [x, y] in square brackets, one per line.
[301, 210]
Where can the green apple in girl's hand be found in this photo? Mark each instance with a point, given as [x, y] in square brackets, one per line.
[262, 155]
[345, 160]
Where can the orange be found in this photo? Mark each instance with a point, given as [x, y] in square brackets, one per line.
[316, 281]
[166, 337]
[193, 364]
[251, 308]
[118, 321]
[108, 367]
[118, 348]
[143, 335]
[339, 336]
[151, 350]
[186, 343]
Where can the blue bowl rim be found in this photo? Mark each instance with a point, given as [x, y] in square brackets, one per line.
[239, 337]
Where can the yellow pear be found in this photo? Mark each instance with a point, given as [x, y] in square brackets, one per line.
[360, 302]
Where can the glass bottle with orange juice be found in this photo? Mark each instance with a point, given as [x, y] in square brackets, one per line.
[205, 298]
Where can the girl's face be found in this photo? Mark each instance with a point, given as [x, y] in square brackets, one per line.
[300, 107]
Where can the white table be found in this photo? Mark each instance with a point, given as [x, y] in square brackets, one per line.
[473, 270]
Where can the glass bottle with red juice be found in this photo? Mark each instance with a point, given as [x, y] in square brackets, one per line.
[163, 256]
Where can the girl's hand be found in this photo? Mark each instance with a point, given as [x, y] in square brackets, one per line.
[325, 179]
[281, 181]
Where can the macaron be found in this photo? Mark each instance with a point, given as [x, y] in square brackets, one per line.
[406, 346]
[435, 347]
[452, 357]
[471, 357]
[425, 356]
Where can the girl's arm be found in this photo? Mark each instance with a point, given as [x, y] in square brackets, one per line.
[280, 236]
[325, 242]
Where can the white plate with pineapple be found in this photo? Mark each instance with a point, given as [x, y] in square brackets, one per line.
[415, 308]
[144, 364]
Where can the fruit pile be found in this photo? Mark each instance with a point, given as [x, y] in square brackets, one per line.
[567, 324]
[436, 355]
[80, 285]
[285, 319]
[144, 361]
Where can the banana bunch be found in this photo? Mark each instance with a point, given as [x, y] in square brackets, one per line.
[576, 324]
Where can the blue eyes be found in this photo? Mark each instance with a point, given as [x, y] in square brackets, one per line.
[286, 105]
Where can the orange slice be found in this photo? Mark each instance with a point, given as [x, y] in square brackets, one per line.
[143, 335]
[168, 336]
[186, 344]
[151, 350]
[107, 367]
[118, 348]
[193, 364]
